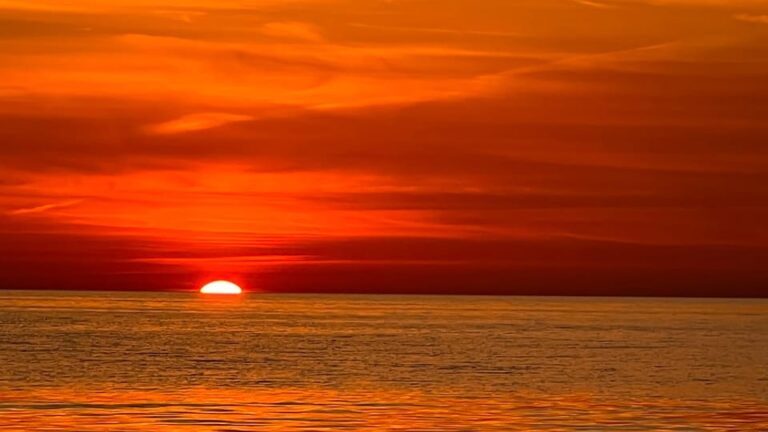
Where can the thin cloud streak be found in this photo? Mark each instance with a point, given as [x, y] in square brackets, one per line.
[596, 4]
[44, 208]
[293, 30]
[437, 30]
[760, 19]
[196, 122]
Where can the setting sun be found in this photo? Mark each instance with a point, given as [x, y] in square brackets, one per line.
[221, 287]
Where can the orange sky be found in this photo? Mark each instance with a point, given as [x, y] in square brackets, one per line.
[489, 146]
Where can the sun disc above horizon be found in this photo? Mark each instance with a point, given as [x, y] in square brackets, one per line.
[221, 287]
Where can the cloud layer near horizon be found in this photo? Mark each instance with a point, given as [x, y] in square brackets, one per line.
[612, 147]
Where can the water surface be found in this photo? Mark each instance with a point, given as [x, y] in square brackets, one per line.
[81, 361]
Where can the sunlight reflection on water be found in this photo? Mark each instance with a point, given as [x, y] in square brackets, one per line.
[133, 361]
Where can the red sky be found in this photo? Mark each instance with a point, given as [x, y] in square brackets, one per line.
[424, 146]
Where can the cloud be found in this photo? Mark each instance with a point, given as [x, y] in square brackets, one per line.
[196, 122]
[443, 31]
[44, 208]
[705, 3]
[760, 19]
[186, 16]
[596, 4]
[292, 30]
[90, 6]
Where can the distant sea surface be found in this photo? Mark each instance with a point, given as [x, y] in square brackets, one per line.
[97, 361]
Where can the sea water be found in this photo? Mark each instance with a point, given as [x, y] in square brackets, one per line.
[111, 361]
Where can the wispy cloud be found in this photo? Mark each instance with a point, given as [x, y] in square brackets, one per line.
[186, 16]
[437, 30]
[237, 262]
[761, 19]
[91, 6]
[43, 208]
[293, 30]
[196, 122]
[595, 4]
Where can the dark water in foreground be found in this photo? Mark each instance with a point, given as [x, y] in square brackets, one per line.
[181, 362]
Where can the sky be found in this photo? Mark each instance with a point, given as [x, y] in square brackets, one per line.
[571, 147]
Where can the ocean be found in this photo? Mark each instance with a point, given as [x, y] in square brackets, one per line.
[119, 361]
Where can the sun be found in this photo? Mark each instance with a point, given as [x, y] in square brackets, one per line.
[221, 287]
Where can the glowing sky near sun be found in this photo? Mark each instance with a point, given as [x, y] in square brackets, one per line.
[385, 145]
